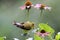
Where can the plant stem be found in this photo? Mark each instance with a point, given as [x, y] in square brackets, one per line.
[41, 15]
[27, 15]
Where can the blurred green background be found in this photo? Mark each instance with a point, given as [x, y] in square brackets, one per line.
[9, 11]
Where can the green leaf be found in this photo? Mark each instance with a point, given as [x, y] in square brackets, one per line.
[1, 38]
[46, 27]
[36, 37]
[57, 37]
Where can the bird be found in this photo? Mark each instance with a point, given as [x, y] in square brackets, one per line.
[26, 26]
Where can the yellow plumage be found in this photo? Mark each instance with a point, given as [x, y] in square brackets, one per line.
[28, 24]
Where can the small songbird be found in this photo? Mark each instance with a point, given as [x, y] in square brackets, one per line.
[24, 25]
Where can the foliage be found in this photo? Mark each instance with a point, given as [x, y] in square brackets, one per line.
[37, 37]
[46, 27]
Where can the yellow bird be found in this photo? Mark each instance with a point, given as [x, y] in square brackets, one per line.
[26, 26]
